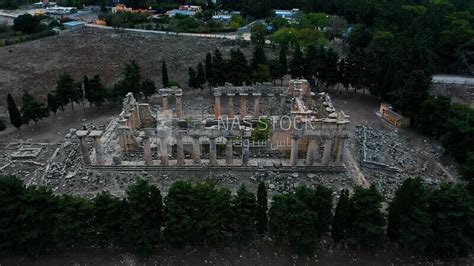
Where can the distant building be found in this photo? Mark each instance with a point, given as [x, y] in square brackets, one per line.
[286, 14]
[73, 24]
[393, 117]
[60, 10]
[121, 8]
[185, 10]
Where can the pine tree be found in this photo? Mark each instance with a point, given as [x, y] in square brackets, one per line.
[297, 63]
[238, 68]
[67, 91]
[13, 112]
[342, 219]
[148, 88]
[109, 214]
[32, 109]
[201, 76]
[262, 207]
[244, 209]
[408, 219]
[164, 75]
[97, 91]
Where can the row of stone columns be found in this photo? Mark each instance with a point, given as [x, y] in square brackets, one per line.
[196, 151]
[230, 104]
[332, 151]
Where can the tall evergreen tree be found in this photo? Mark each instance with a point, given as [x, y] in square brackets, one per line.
[201, 75]
[68, 91]
[164, 75]
[143, 224]
[238, 68]
[87, 92]
[262, 208]
[367, 226]
[219, 68]
[451, 211]
[408, 219]
[32, 109]
[148, 88]
[297, 63]
[192, 82]
[208, 68]
[259, 57]
[342, 219]
[52, 103]
[97, 91]
[244, 210]
[283, 63]
[109, 214]
[13, 112]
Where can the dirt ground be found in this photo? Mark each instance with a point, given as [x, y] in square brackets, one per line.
[264, 254]
[35, 66]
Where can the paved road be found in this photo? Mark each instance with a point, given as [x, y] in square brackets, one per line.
[230, 36]
[453, 79]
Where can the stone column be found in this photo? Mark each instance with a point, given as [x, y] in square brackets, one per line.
[217, 105]
[165, 101]
[164, 151]
[99, 151]
[311, 153]
[245, 151]
[340, 150]
[82, 135]
[243, 105]
[196, 154]
[294, 151]
[256, 104]
[309, 102]
[179, 106]
[327, 150]
[283, 103]
[147, 150]
[231, 105]
[212, 152]
[229, 152]
[180, 149]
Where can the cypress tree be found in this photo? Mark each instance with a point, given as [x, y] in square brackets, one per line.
[52, 104]
[283, 63]
[164, 75]
[201, 76]
[341, 222]
[192, 82]
[297, 64]
[208, 68]
[367, 220]
[262, 207]
[13, 112]
[87, 90]
[244, 209]
[259, 57]
[408, 219]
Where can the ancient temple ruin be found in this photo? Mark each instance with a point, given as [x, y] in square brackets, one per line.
[306, 131]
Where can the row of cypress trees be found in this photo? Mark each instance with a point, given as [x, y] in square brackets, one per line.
[437, 222]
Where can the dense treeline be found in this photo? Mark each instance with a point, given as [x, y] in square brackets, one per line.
[437, 222]
[70, 92]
